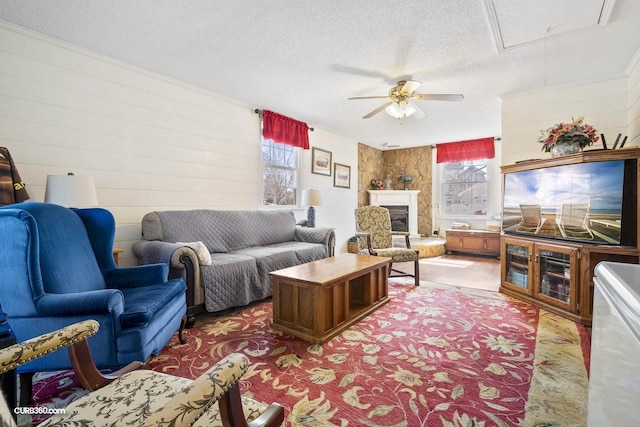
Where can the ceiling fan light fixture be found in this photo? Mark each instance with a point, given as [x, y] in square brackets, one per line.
[400, 100]
[400, 109]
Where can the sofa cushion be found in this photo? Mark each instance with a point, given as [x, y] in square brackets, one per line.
[306, 252]
[232, 281]
[271, 258]
[142, 303]
[282, 255]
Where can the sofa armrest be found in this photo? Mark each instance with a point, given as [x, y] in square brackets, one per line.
[155, 251]
[219, 383]
[93, 302]
[183, 263]
[323, 235]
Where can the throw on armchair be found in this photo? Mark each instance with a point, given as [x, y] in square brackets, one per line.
[373, 229]
[57, 268]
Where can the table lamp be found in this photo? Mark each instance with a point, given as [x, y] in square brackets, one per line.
[71, 191]
[311, 198]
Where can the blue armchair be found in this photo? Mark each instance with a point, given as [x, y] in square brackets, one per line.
[57, 268]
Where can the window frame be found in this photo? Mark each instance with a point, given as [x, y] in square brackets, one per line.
[296, 173]
[442, 211]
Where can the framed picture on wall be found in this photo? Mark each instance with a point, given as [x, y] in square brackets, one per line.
[341, 175]
[320, 161]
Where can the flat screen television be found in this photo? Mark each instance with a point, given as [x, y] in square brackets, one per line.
[592, 202]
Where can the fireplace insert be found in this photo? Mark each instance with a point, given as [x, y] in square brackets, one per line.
[399, 217]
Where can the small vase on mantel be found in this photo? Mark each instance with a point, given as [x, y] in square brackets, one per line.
[564, 149]
[388, 184]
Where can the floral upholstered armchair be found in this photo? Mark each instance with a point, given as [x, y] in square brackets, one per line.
[142, 397]
[375, 237]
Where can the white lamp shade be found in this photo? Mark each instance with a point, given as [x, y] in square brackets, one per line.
[71, 191]
[311, 198]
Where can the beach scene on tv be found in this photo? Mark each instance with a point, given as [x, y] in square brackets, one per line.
[581, 202]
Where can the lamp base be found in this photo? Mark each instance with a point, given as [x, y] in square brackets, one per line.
[311, 217]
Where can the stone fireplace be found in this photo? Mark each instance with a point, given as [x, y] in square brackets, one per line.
[395, 199]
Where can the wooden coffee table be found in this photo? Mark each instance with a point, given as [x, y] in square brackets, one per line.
[318, 300]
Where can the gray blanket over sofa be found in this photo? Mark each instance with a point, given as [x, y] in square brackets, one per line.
[245, 246]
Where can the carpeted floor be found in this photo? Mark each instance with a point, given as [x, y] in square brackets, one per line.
[434, 356]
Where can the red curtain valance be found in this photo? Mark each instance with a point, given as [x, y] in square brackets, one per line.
[284, 130]
[473, 149]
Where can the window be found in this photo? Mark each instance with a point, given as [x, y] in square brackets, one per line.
[465, 188]
[279, 174]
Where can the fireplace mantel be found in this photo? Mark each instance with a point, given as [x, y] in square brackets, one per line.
[398, 198]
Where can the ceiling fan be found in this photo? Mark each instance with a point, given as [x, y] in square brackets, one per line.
[401, 97]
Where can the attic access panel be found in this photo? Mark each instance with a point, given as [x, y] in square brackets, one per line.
[516, 22]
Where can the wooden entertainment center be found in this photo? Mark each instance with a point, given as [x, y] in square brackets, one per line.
[557, 273]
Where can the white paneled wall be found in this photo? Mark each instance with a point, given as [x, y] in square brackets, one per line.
[152, 143]
[338, 203]
[524, 115]
[633, 116]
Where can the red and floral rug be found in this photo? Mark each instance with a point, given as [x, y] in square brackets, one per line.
[434, 356]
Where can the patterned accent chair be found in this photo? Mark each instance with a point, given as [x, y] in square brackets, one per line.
[57, 268]
[143, 397]
[373, 230]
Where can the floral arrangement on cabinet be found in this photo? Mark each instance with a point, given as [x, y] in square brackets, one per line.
[577, 133]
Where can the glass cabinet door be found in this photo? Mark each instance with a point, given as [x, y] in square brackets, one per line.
[516, 264]
[555, 279]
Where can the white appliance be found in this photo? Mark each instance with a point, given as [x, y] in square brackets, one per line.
[614, 381]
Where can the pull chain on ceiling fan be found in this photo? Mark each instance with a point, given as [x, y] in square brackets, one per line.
[402, 97]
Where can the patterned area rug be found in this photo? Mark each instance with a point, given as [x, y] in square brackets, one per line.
[434, 356]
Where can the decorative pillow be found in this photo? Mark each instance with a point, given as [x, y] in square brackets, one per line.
[204, 257]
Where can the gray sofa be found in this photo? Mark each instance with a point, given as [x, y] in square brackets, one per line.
[226, 256]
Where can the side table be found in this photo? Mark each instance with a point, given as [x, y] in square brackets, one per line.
[8, 379]
[116, 255]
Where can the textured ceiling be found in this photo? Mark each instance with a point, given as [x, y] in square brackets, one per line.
[519, 22]
[304, 58]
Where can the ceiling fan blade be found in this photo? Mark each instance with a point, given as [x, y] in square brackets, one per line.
[359, 71]
[438, 97]
[377, 110]
[410, 86]
[418, 114]
[370, 97]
